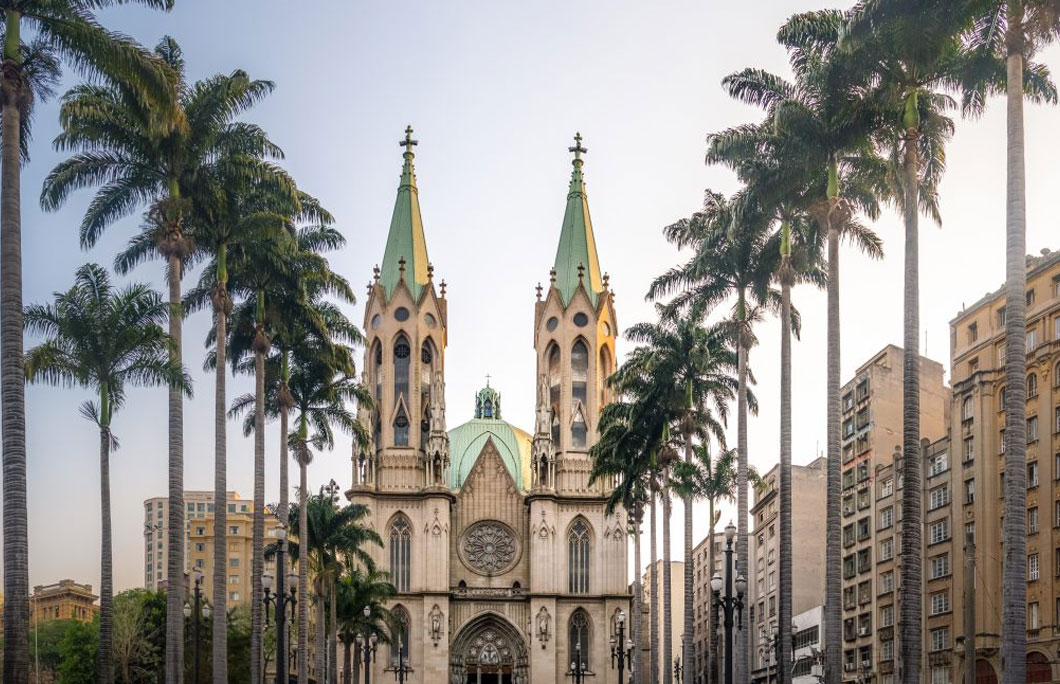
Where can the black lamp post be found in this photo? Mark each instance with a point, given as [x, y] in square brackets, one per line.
[731, 605]
[678, 670]
[367, 642]
[577, 666]
[402, 669]
[282, 602]
[622, 649]
[201, 614]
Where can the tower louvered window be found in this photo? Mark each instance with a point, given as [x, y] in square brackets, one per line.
[400, 554]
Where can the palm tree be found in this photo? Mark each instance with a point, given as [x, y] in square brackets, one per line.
[63, 30]
[120, 148]
[332, 535]
[1003, 41]
[733, 255]
[105, 340]
[712, 479]
[911, 49]
[357, 590]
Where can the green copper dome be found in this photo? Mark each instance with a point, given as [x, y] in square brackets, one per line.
[577, 246]
[467, 441]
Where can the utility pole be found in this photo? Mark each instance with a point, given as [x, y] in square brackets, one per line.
[969, 608]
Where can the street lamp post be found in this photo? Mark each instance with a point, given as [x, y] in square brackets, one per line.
[678, 669]
[577, 666]
[622, 649]
[368, 642]
[402, 669]
[732, 606]
[282, 601]
[201, 613]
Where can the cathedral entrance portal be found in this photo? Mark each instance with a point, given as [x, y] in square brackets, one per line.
[489, 650]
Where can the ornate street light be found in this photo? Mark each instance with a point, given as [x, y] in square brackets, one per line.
[282, 602]
[578, 667]
[622, 648]
[402, 669]
[368, 642]
[678, 670]
[200, 615]
[732, 606]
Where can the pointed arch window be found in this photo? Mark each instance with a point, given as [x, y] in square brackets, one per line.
[578, 638]
[579, 431]
[401, 554]
[579, 372]
[603, 373]
[377, 372]
[402, 352]
[426, 377]
[400, 637]
[401, 427]
[579, 549]
[554, 380]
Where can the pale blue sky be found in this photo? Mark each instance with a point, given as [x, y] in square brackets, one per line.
[495, 91]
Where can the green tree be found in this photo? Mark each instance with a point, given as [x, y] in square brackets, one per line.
[120, 148]
[63, 30]
[357, 590]
[103, 339]
[78, 663]
[139, 637]
[1003, 41]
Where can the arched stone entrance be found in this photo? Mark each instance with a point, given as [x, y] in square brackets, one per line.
[488, 650]
[1038, 667]
[984, 672]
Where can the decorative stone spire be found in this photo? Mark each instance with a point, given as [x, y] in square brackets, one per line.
[576, 259]
[406, 242]
[544, 465]
[437, 451]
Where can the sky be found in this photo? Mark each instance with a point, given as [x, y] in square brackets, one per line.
[495, 92]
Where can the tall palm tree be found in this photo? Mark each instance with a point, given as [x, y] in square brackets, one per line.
[734, 255]
[817, 136]
[713, 479]
[912, 49]
[357, 589]
[103, 339]
[1003, 41]
[120, 148]
[63, 30]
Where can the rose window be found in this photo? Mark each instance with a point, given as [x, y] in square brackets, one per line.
[489, 547]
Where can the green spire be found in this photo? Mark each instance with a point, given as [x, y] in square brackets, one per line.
[576, 258]
[406, 248]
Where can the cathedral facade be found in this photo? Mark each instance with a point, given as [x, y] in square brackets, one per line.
[506, 566]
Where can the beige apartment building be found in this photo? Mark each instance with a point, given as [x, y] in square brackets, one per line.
[871, 405]
[677, 615]
[64, 600]
[977, 342]
[702, 571]
[199, 542]
[808, 493]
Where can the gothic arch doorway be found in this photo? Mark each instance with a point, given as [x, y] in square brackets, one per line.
[488, 650]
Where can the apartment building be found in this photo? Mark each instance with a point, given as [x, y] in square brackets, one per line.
[64, 600]
[677, 615]
[977, 343]
[808, 494]
[871, 405]
[199, 541]
[702, 571]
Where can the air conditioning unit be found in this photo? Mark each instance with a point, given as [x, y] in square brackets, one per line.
[863, 631]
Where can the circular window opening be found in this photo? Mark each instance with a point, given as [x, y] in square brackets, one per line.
[401, 351]
[401, 421]
[402, 314]
[552, 323]
[430, 320]
[581, 320]
[376, 321]
[425, 354]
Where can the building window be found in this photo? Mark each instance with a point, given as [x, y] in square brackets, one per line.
[200, 531]
[1032, 384]
[401, 554]
[233, 530]
[973, 332]
[1032, 520]
[886, 517]
[579, 548]
[1033, 618]
[886, 581]
[233, 562]
[940, 602]
[887, 549]
[887, 650]
[401, 427]
[578, 636]
[939, 497]
[233, 596]
[848, 428]
[554, 378]
[848, 401]
[969, 450]
[940, 641]
[1001, 317]
[402, 358]
[940, 463]
[1032, 429]
[1032, 567]
[887, 616]
[967, 408]
[1032, 339]
[887, 487]
[969, 491]
[1056, 426]
[233, 579]
[939, 531]
[1032, 474]
[940, 566]
[401, 626]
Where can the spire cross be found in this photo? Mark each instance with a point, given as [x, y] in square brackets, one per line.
[578, 150]
[487, 379]
[408, 143]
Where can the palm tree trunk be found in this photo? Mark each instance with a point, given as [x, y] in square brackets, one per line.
[712, 650]
[1014, 529]
[258, 535]
[347, 662]
[784, 629]
[653, 628]
[175, 585]
[285, 488]
[12, 373]
[910, 608]
[220, 496]
[687, 654]
[833, 618]
[667, 620]
[303, 577]
[333, 636]
[636, 621]
[321, 637]
[741, 648]
[106, 575]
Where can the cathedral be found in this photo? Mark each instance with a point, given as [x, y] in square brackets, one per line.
[506, 567]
